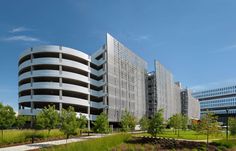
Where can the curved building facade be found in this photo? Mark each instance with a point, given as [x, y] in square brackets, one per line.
[60, 76]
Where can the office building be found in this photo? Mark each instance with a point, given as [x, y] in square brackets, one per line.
[218, 100]
[111, 80]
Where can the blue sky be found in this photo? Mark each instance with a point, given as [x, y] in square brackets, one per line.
[196, 40]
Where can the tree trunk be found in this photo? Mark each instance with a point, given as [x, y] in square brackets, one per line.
[207, 141]
[2, 134]
[48, 133]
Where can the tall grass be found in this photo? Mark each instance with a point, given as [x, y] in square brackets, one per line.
[100, 144]
[188, 134]
[20, 136]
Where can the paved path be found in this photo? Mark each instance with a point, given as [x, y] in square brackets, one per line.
[47, 144]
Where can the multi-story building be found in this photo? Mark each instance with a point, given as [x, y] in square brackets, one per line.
[189, 105]
[162, 92]
[111, 80]
[218, 100]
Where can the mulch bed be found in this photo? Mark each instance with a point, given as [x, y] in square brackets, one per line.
[168, 143]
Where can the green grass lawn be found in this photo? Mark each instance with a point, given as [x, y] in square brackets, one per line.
[99, 144]
[188, 134]
[20, 136]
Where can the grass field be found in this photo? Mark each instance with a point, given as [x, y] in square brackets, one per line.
[20, 136]
[99, 144]
[188, 134]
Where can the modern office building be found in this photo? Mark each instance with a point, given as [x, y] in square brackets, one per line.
[189, 105]
[162, 92]
[218, 100]
[111, 80]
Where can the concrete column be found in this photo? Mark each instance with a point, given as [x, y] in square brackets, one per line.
[89, 100]
[32, 106]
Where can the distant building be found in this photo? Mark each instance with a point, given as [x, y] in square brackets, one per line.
[218, 100]
[189, 105]
[162, 92]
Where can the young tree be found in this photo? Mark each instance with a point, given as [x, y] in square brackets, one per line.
[101, 124]
[7, 117]
[69, 122]
[47, 118]
[232, 125]
[176, 122]
[209, 125]
[144, 123]
[82, 121]
[127, 121]
[184, 122]
[20, 121]
[156, 125]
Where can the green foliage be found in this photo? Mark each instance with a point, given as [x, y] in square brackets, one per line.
[232, 126]
[69, 122]
[101, 124]
[208, 125]
[184, 122]
[20, 121]
[156, 125]
[144, 123]
[100, 144]
[127, 121]
[175, 121]
[19, 136]
[47, 118]
[178, 121]
[225, 143]
[7, 117]
[82, 121]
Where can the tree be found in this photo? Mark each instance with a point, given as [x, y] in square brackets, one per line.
[101, 124]
[82, 121]
[175, 121]
[47, 118]
[127, 121]
[232, 125]
[7, 117]
[184, 122]
[20, 121]
[156, 125]
[209, 125]
[144, 123]
[69, 122]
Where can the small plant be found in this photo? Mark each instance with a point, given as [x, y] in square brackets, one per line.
[7, 117]
[101, 124]
[48, 118]
[232, 126]
[156, 125]
[69, 122]
[144, 123]
[127, 121]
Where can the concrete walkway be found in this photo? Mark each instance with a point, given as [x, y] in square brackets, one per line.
[48, 144]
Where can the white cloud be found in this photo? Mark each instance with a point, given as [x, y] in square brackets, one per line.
[19, 29]
[22, 38]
